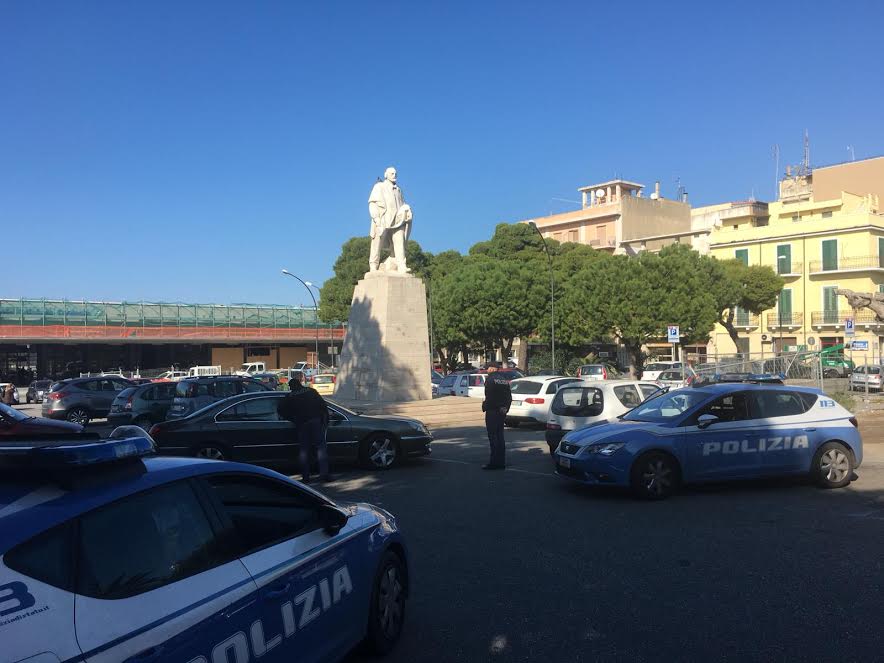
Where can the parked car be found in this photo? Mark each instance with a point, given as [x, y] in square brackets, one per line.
[597, 372]
[248, 428]
[837, 366]
[142, 405]
[170, 376]
[436, 379]
[532, 398]
[324, 383]
[15, 424]
[866, 375]
[448, 384]
[80, 400]
[652, 371]
[675, 379]
[192, 394]
[15, 395]
[471, 384]
[578, 405]
[269, 380]
[37, 391]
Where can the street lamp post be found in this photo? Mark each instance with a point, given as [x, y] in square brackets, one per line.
[309, 285]
[552, 297]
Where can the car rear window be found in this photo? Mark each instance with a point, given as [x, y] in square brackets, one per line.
[323, 379]
[658, 367]
[578, 402]
[42, 384]
[670, 375]
[590, 370]
[809, 400]
[128, 391]
[525, 387]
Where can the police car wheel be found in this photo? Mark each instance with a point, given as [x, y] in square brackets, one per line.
[211, 452]
[78, 416]
[833, 466]
[379, 451]
[655, 476]
[387, 613]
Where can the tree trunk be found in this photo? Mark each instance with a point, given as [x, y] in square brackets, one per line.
[728, 323]
[635, 359]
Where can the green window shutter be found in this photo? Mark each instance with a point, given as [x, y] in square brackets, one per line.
[785, 304]
[784, 259]
[830, 254]
[881, 288]
[742, 255]
[830, 305]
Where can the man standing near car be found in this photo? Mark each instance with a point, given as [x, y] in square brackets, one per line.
[498, 398]
[306, 409]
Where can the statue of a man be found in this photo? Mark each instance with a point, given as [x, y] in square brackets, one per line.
[390, 216]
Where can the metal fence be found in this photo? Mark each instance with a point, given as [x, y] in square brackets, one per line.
[832, 373]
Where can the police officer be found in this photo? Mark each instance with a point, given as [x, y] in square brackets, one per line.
[306, 409]
[496, 404]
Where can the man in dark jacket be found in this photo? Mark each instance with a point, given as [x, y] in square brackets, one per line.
[497, 403]
[306, 409]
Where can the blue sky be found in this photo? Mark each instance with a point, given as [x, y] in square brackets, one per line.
[188, 151]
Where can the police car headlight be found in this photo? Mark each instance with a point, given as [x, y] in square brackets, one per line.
[605, 449]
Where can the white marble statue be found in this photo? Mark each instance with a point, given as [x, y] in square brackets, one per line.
[390, 218]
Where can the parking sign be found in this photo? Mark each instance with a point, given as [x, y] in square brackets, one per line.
[848, 326]
[672, 334]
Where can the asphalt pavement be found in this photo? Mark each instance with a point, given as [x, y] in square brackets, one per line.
[521, 566]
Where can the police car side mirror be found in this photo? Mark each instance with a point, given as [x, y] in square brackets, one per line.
[332, 518]
[706, 420]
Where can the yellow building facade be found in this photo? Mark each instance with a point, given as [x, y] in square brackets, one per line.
[818, 247]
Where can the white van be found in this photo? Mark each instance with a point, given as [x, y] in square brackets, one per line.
[202, 371]
[252, 368]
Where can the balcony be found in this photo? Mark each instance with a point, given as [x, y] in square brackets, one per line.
[795, 269]
[849, 264]
[604, 242]
[785, 321]
[863, 318]
[745, 321]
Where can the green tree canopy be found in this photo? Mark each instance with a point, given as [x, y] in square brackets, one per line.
[735, 285]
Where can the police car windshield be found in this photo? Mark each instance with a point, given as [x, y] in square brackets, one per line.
[12, 414]
[666, 407]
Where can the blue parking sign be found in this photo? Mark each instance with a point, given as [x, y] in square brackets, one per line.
[860, 346]
[848, 326]
[672, 334]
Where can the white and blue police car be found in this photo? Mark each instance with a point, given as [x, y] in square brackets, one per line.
[109, 554]
[716, 433]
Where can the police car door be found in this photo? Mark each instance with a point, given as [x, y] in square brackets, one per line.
[726, 449]
[155, 583]
[313, 593]
[787, 442]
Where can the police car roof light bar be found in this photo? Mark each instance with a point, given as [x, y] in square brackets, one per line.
[55, 455]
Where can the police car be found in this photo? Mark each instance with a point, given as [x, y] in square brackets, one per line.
[716, 433]
[109, 554]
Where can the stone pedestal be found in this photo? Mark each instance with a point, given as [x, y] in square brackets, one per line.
[386, 353]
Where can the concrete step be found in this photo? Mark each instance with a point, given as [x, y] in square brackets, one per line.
[447, 411]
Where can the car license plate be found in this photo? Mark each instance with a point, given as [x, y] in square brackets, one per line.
[517, 402]
[565, 462]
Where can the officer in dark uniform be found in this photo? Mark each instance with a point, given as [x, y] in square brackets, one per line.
[496, 404]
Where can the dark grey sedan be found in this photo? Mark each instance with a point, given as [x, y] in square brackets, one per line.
[247, 428]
